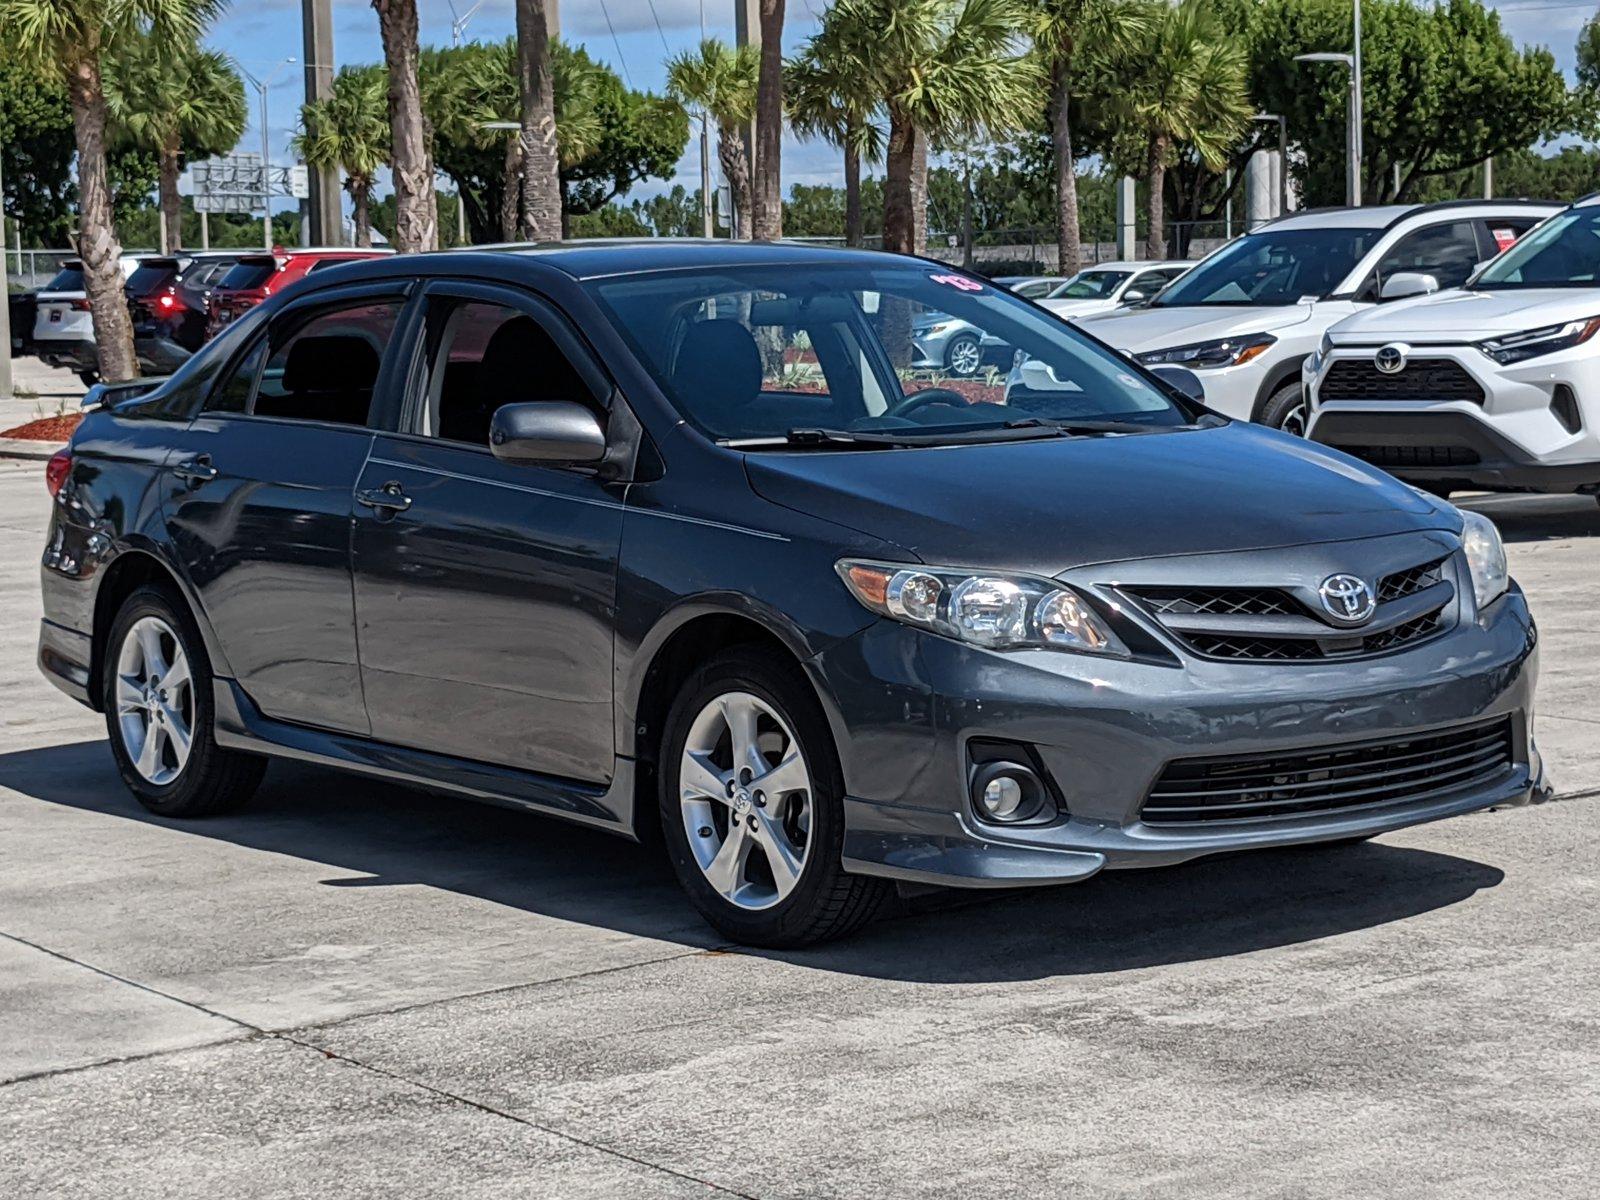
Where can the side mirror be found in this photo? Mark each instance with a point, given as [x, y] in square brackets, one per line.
[553, 432]
[1408, 283]
[1134, 296]
[1181, 378]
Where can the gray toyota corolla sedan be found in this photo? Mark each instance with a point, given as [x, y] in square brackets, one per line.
[672, 539]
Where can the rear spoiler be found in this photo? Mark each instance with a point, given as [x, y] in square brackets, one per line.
[106, 395]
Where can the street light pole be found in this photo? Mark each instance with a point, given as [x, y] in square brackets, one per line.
[261, 86]
[1352, 166]
[1356, 157]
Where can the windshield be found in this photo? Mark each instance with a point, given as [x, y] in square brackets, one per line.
[68, 279]
[1089, 285]
[1273, 267]
[758, 353]
[150, 275]
[1563, 252]
[249, 273]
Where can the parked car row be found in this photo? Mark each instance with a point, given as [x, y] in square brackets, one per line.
[177, 303]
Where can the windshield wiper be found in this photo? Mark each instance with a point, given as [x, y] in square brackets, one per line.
[1075, 428]
[1025, 429]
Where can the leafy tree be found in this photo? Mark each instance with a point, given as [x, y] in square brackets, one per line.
[941, 68]
[70, 39]
[721, 82]
[36, 150]
[611, 220]
[830, 100]
[640, 136]
[349, 132]
[179, 102]
[416, 212]
[541, 158]
[1062, 31]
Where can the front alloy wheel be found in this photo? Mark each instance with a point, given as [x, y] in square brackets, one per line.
[155, 700]
[746, 800]
[964, 356]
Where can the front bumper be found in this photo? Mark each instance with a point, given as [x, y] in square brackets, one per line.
[1105, 729]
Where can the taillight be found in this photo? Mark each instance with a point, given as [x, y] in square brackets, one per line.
[57, 469]
[168, 301]
[81, 305]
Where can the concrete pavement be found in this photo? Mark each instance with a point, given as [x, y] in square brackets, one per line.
[356, 990]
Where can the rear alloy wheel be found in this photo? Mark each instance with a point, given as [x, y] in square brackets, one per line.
[1286, 410]
[963, 356]
[752, 807]
[158, 707]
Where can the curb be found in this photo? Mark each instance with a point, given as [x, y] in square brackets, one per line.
[31, 451]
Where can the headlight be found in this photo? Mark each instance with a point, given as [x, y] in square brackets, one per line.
[1515, 347]
[982, 609]
[1223, 352]
[1486, 557]
[938, 327]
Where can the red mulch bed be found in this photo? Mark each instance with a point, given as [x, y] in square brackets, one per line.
[46, 429]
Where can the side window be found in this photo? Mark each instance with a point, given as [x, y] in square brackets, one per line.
[1447, 252]
[489, 355]
[1503, 232]
[325, 368]
[233, 394]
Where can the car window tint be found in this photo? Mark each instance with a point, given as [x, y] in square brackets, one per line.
[233, 394]
[1447, 252]
[487, 356]
[327, 366]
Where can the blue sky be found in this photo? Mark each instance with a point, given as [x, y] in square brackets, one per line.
[635, 37]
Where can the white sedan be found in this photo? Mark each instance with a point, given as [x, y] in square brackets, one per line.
[1107, 286]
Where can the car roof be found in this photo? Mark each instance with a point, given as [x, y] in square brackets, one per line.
[594, 259]
[1382, 216]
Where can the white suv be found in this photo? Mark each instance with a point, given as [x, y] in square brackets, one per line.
[1495, 385]
[1248, 316]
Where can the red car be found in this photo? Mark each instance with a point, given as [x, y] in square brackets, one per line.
[256, 276]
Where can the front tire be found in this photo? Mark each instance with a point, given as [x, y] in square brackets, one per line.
[1286, 410]
[963, 357]
[752, 807]
[158, 707]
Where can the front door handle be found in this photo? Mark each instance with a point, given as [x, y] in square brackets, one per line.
[196, 471]
[391, 497]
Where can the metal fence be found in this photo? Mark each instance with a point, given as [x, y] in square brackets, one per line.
[30, 269]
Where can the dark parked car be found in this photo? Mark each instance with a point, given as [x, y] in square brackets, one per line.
[662, 536]
[254, 277]
[169, 298]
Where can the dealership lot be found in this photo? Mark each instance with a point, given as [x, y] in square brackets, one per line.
[352, 989]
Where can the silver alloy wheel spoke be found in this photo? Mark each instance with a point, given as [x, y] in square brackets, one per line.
[154, 696]
[745, 794]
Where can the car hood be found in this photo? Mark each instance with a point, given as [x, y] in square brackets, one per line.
[1077, 308]
[1047, 506]
[1459, 316]
[1158, 328]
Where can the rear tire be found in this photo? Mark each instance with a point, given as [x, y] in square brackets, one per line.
[1286, 410]
[156, 693]
[762, 869]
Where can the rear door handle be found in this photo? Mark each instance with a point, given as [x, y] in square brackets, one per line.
[196, 471]
[390, 497]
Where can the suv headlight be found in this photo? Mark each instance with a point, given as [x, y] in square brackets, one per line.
[1486, 558]
[998, 611]
[1222, 352]
[1515, 347]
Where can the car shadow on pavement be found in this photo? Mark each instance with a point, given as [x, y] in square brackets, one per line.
[378, 834]
[1528, 518]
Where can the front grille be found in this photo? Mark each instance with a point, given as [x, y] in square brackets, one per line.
[1265, 649]
[1255, 602]
[1306, 783]
[1422, 379]
[1390, 457]
[1408, 582]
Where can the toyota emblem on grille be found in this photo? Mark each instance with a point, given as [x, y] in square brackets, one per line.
[1348, 599]
[1390, 359]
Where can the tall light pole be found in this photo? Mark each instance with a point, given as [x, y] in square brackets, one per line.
[261, 86]
[1352, 170]
[323, 210]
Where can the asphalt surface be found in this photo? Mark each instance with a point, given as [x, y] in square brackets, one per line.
[356, 990]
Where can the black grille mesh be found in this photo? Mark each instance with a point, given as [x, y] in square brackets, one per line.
[1230, 602]
[1422, 379]
[1309, 782]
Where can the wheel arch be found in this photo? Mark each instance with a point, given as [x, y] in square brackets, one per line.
[134, 568]
[1285, 371]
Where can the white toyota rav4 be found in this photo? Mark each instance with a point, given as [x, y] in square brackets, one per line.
[1492, 385]
[1248, 316]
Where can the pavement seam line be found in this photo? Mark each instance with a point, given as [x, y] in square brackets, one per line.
[119, 1060]
[133, 983]
[491, 1110]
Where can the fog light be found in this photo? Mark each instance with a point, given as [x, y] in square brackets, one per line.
[1007, 792]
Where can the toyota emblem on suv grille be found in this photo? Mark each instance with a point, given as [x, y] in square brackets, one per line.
[1390, 359]
[1348, 599]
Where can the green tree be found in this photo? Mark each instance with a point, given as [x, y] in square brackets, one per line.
[1063, 30]
[830, 100]
[941, 68]
[72, 38]
[36, 151]
[349, 132]
[179, 102]
[721, 82]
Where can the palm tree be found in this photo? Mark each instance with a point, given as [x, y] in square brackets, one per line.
[1061, 31]
[541, 163]
[349, 132]
[416, 219]
[829, 100]
[1187, 84]
[69, 39]
[178, 101]
[721, 81]
[941, 68]
[768, 203]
